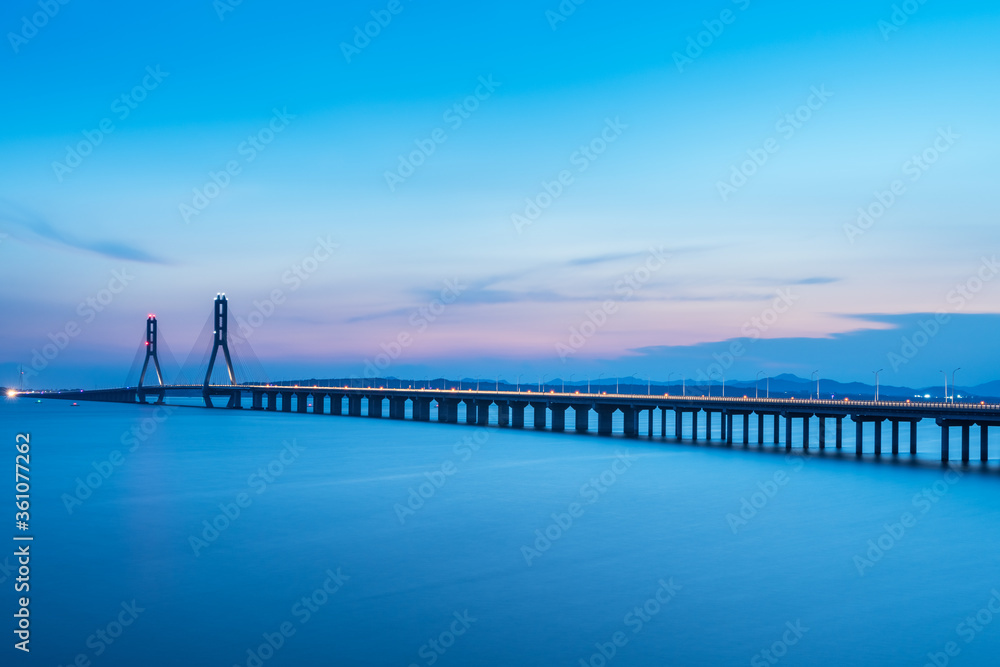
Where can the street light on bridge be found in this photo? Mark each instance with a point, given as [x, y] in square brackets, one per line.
[876, 382]
[953, 385]
[815, 376]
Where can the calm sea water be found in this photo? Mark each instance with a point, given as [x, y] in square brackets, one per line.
[457, 545]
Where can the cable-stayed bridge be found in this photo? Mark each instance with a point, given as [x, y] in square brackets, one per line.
[236, 384]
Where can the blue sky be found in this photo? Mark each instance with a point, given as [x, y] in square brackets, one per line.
[648, 225]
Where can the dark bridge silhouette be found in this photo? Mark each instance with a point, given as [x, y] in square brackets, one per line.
[549, 409]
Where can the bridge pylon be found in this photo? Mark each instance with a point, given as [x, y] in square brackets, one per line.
[151, 354]
[221, 340]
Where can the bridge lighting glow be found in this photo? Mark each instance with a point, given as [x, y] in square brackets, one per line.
[11, 393]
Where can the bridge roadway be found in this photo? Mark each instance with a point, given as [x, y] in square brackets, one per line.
[549, 410]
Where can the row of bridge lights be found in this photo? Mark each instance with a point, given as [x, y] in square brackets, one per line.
[649, 382]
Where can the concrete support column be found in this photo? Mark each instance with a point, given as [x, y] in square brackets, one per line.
[944, 443]
[663, 422]
[746, 428]
[724, 417]
[301, 401]
[878, 438]
[470, 411]
[503, 413]
[840, 432]
[336, 404]
[517, 413]
[708, 424]
[421, 409]
[822, 432]
[540, 415]
[760, 428]
[913, 437]
[354, 405]
[318, 407]
[727, 426]
[258, 400]
[272, 401]
[965, 443]
[678, 423]
[604, 416]
[859, 437]
[651, 411]
[805, 433]
[286, 401]
[397, 407]
[984, 442]
[448, 411]
[375, 407]
[483, 412]
[788, 434]
[777, 428]
[694, 424]
[895, 437]
[558, 417]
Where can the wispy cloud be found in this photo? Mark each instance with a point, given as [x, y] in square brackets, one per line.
[40, 230]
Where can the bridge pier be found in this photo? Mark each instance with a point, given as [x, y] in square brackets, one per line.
[728, 427]
[503, 413]
[470, 411]
[336, 404]
[984, 442]
[421, 408]
[708, 425]
[777, 427]
[375, 406]
[678, 423]
[895, 437]
[272, 401]
[760, 428]
[840, 432]
[694, 424]
[822, 432]
[788, 434]
[397, 407]
[651, 411]
[722, 426]
[301, 402]
[630, 421]
[257, 400]
[318, 400]
[447, 411]
[517, 413]
[746, 428]
[558, 417]
[859, 436]
[604, 416]
[663, 422]
[538, 415]
[582, 418]
[913, 436]
[483, 412]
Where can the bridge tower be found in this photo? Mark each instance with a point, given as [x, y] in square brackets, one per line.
[151, 352]
[221, 339]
